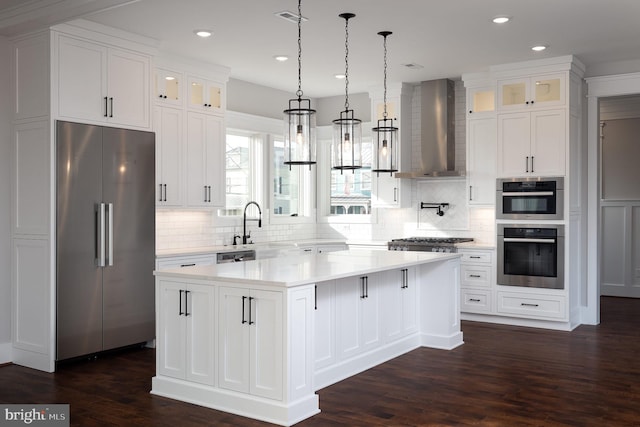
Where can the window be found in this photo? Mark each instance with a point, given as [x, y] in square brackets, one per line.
[351, 190]
[291, 187]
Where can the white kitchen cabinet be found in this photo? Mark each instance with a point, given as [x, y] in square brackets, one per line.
[481, 101]
[526, 93]
[324, 325]
[532, 144]
[185, 261]
[399, 303]
[482, 141]
[250, 348]
[186, 331]
[168, 87]
[530, 305]
[205, 95]
[357, 313]
[101, 84]
[169, 161]
[205, 160]
[476, 280]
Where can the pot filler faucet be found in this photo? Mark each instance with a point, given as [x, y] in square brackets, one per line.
[245, 235]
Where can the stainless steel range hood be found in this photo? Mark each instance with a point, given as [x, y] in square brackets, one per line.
[437, 134]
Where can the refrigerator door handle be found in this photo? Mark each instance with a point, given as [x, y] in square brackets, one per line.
[100, 249]
[109, 234]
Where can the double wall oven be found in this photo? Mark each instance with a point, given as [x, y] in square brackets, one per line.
[530, 253]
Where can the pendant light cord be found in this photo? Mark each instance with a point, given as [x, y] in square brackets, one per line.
[384, 114]
[346, 62]
[299, 92]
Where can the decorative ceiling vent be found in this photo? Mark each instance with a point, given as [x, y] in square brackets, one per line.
[413, 66]
[289, 16]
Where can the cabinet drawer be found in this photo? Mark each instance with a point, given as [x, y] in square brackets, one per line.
[476, 275]
[475, 301]
[533, 306]
[483, 257]
[188, 261]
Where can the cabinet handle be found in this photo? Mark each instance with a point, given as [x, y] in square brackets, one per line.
[470, 192]
[405, 278]
[188, 265]
[532, 102]
[315, 297]
[477, 276]
[186, 302]
[205, 194]
[474, 257]
[474, 300]
[251, 322]
[180, 313]
[532, 164]
[209, 194]
[160, 188]
[111, 102]
[395, 194]
[527, 164]
[165, 193]
[106, 107]
[243, 321]
[524, 304]
[527, 102]
[365, 287]
[470, 111]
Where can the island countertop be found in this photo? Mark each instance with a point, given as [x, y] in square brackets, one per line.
[298, 270]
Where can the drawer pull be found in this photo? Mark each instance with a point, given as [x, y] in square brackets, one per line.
[524, 304]
[477, 276]
[188, 265]
[474, 257]
[474, 300]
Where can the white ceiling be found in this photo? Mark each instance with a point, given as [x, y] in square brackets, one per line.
[446, 37]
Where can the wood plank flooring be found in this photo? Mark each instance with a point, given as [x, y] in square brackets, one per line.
[501, 376]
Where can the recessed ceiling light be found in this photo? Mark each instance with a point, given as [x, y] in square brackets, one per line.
[339, 76]
[203, 33]
[501, 19]
[281, 58]
[539, 48]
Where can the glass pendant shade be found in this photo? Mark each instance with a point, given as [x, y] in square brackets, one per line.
[346, 153]
[385, 144]
[299, 133]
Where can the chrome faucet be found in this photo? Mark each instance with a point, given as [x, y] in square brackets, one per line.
[246, 236]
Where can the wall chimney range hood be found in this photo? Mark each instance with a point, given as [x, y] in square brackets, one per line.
[437, 133]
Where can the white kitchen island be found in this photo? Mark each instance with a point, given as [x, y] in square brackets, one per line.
[258, 338]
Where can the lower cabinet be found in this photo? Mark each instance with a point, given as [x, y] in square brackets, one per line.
[400, 300]
[250, 341]
[357, 313]
[536, 306]
[476, 281]
[186, 336]
[325, 324]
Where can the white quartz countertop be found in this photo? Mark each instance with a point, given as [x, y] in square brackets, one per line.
[304, 269]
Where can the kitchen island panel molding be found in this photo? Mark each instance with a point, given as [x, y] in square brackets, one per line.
[294, 361]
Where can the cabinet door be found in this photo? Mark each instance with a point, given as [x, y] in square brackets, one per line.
[482, 149]
[81, 83]
[128, 88]
[168, 87]
[370, 329]
[392, 303]
[349, 292]
[205, 95]
[200, 334]
[386, 191]
[481, 101]
[266, 344]
[171, 356]
[410, 302]
[168, 124]
[548, 142]
[324, 334]
[205, 165]
[514, 142]
[233, 339]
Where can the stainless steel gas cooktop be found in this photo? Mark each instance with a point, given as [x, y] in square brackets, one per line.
[427, 244]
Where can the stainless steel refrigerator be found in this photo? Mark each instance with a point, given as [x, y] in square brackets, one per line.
[105, 240]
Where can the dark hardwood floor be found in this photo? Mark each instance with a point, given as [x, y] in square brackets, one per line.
[501, 376]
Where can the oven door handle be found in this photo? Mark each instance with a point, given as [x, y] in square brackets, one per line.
[527, 193]
[523, 240]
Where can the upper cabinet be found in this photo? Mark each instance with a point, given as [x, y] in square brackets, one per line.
[205, 95]
[541, 91]
[481, 101]
[168, 87]
[98, 83]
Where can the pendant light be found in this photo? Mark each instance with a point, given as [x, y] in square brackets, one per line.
[346, 150]
[386, 135]
[299, 119]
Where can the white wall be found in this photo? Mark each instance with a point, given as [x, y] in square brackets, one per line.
[5, 200]
[250, 98]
